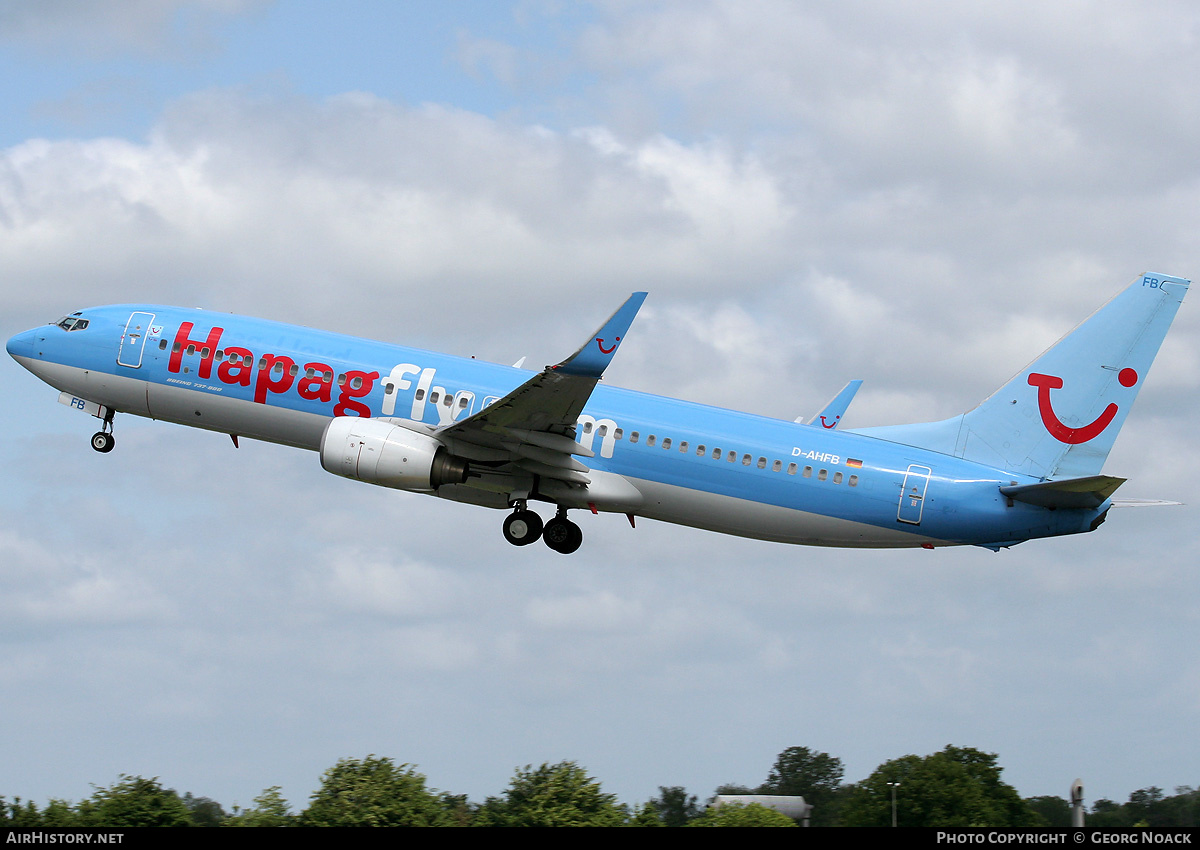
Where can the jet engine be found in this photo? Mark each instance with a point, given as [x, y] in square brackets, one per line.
[388, 455]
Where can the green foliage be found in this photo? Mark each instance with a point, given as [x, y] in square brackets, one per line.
[552, 795]
[14, 814]
[270, 809]
[60, 813]
[1149, 807]
[739, 814]
[732, 789]
[647, 815]
[373, 792]
[959, 786]
[204, 811]
[1050, 810]
[674, 806]
[813, 775]
[134, 801]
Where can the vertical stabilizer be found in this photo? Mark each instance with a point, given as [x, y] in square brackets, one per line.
[1059, 417]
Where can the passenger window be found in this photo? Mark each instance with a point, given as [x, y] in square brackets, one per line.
[666, 443]
[633, 436]
[822, 474]
[716, 454]
[762, 463]
[462, 403]
[731, 456]
[747, 460]
[791, 469]
[700, 451]
[777, 466]
[294, 371]
[808, 472]
[420, 395]
[433, 396]
[683, 446]
[837, 478]
[619, 433]
[602, 430]
[853, 481]
[650, 440]
[162, 345]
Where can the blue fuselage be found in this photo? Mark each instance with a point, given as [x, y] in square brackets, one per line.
[692, 464]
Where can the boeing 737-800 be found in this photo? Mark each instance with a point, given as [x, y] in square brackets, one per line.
[1025, 463]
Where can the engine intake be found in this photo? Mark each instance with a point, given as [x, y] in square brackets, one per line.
[388, 455]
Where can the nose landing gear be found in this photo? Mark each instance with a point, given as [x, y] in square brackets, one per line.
[102, 440]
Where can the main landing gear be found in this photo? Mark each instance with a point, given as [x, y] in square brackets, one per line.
[523, 527]
[102, 440]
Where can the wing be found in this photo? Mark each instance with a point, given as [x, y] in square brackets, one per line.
[532, 430]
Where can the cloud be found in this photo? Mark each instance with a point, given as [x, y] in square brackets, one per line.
[139, 26]
[922, 198]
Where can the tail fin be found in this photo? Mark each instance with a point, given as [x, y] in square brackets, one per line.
[1059, 417]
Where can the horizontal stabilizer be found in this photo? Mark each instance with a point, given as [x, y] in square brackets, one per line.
[1086, 493]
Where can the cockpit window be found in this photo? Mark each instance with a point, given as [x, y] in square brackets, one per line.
[72, 322]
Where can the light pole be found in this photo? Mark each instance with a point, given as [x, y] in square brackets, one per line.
[894, 786]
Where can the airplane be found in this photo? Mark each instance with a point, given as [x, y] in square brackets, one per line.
[1024, 464]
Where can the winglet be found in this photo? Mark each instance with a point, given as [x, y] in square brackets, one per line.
[593, 356]
[831, 414]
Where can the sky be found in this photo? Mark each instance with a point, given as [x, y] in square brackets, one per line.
[921, 195]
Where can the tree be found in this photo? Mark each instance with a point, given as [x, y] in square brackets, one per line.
[270, 809]
[204, 811]
[1149, 807]
[552, 795]
[134, 801]
[731, 788]
[16, 815]
[1050, 810]
[373, 792]
[647, 815]
[739, 814]
[675, 807]
[815, 776]
[958, 786]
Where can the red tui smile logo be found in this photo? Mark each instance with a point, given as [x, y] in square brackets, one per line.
[603, 350]
[1062, 433]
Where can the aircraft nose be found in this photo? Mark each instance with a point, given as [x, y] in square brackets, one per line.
[21, 345]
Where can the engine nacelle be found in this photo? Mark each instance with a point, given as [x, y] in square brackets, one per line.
[388, 455]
